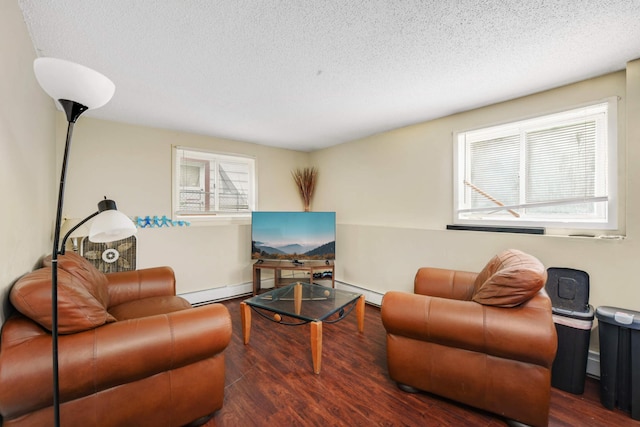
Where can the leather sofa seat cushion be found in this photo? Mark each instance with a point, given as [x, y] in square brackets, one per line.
[91, 278]
[148, 307]
[78, 309]
[509, 279]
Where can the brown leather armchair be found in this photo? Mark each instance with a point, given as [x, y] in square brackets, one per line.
[131, 352]
[486, 340]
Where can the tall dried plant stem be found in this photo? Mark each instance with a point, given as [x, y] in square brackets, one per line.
[305, 179]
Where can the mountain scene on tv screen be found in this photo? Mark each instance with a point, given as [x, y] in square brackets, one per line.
[293, 251]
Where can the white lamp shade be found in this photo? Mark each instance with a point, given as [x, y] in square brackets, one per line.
[111, 225]
[74, 82]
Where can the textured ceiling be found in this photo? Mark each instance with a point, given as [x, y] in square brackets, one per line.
[307, 74]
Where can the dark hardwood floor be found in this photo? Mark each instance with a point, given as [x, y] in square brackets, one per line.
[270, 381]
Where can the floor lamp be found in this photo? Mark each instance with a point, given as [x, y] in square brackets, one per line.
[77, 89]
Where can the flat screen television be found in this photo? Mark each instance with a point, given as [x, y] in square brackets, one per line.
[294, 236]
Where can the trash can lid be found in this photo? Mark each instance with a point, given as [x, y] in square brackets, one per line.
[568, 289]
[582, 315]
[619, 316]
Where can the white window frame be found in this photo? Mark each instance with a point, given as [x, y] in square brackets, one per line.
[214, 157]
[605, 200]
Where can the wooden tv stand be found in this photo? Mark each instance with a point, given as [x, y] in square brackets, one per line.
[277, 266]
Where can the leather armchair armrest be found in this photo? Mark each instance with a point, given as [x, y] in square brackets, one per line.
[126, 286]
[445, 283]
[110, 355]
[525, 333]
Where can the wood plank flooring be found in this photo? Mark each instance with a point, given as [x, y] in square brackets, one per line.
[270, 382]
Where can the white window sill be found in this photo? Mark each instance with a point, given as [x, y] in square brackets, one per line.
[215, 220]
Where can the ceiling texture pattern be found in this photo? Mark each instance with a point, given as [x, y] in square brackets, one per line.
[308, 74]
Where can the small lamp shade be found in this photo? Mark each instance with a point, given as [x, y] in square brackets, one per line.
[111, 225]
[62, 79]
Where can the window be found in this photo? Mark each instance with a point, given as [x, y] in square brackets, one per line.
[555, 171]
[207, 183]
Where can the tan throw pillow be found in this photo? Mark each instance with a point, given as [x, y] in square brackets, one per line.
[509, 279]
[95, 281]
[78, 310]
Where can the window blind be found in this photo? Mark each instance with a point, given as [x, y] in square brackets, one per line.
[554, 167]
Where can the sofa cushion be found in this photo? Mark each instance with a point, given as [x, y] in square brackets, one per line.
[509, 279]
[149, 307]
[92, 279]
[78, 309]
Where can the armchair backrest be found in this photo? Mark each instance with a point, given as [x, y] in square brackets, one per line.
[444, 283]
[509, 279]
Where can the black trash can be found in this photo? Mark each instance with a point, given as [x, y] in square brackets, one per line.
[619, 332]
[573, 317]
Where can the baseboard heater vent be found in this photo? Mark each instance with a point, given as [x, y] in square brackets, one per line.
[211, 296]
[519, 230]
[217, 300]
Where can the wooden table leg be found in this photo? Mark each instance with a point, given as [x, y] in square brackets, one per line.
[360, 313]
[257, 278]
[297, 298]
[277, 276]
[333, 277]
[245, 315]
[316, 345]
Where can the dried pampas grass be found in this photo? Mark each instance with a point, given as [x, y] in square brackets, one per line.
[305, 179]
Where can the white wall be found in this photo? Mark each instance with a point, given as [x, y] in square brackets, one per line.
[27, 155]
[132, 165]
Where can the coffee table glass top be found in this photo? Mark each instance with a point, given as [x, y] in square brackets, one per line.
[314, 302]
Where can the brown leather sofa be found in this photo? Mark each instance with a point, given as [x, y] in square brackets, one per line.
[486, 340]
[131, 352]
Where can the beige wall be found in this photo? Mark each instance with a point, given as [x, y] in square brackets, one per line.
[392, 191]
[393, 195]
[27, 154]
[132, 165]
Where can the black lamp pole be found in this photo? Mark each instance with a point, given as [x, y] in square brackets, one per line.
[73, 111]
[62, 80]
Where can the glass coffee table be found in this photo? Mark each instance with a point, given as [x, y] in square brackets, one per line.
[302, 303]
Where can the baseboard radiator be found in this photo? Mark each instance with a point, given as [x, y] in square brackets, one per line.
[223, 293]
[210, 296]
